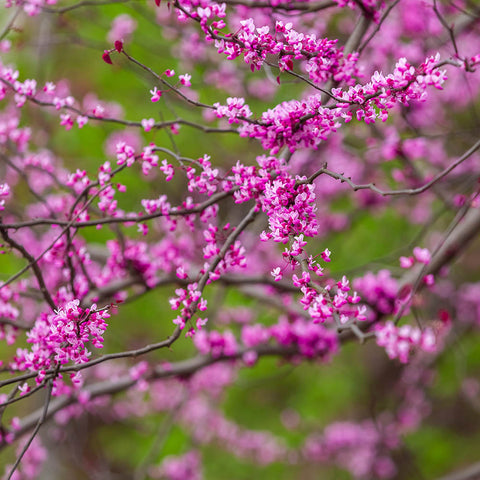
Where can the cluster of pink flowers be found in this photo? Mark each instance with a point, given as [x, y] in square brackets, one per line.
[295, 124]
[202, 10]
[207, 424]
[53, 95]
[400, 341]
[323, 307]
[379, 291]
[215, 343]
[30, 7]
[323, 60]
[62, 337]
[250, 182]
[421, 255]
[133, 256]
[9, 311]
[290, 205]
[4, 193]
[122, 28]
[235, 110]
[312, 340]
[305, 339]
[10, 131]
[208, 179]
[190, 298]
[382, 93]
[180, 467]
[306, 123]
[360, 448]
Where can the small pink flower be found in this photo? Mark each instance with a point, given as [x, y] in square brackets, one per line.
[122, 28]
[4, 192]
[98, 111]
[167, 169]
[277, 274]
[185, 80]
[24, 389]
[406, 262]
[156, 94]
[148, 124]
[181, 273]
[81, 121]
[66, 121]
[201, 322]
[422, 255]
[5, 46]
[49, 88]
[429, 280]
[250, 358]
[326, 255]
[142, 228]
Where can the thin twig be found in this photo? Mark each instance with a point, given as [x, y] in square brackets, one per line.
[40, 422]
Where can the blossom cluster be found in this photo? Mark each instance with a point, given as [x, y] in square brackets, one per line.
[62, 337]
[180, 467]
[323, 60]
[30, 7]
[290, 205]
[400, 341]
[301, 339]
[306, 123]
[4, 192]
[8, 311]
[379, 291]
[359, 447]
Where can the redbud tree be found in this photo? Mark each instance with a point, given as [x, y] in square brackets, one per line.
[238, 239]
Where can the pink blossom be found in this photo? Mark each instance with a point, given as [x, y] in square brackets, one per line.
[406, 262]
[156, 94]
[4, 192]
[81, 121]
[121, 28]
[185, 79]
[148, 124]
[422, 255]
